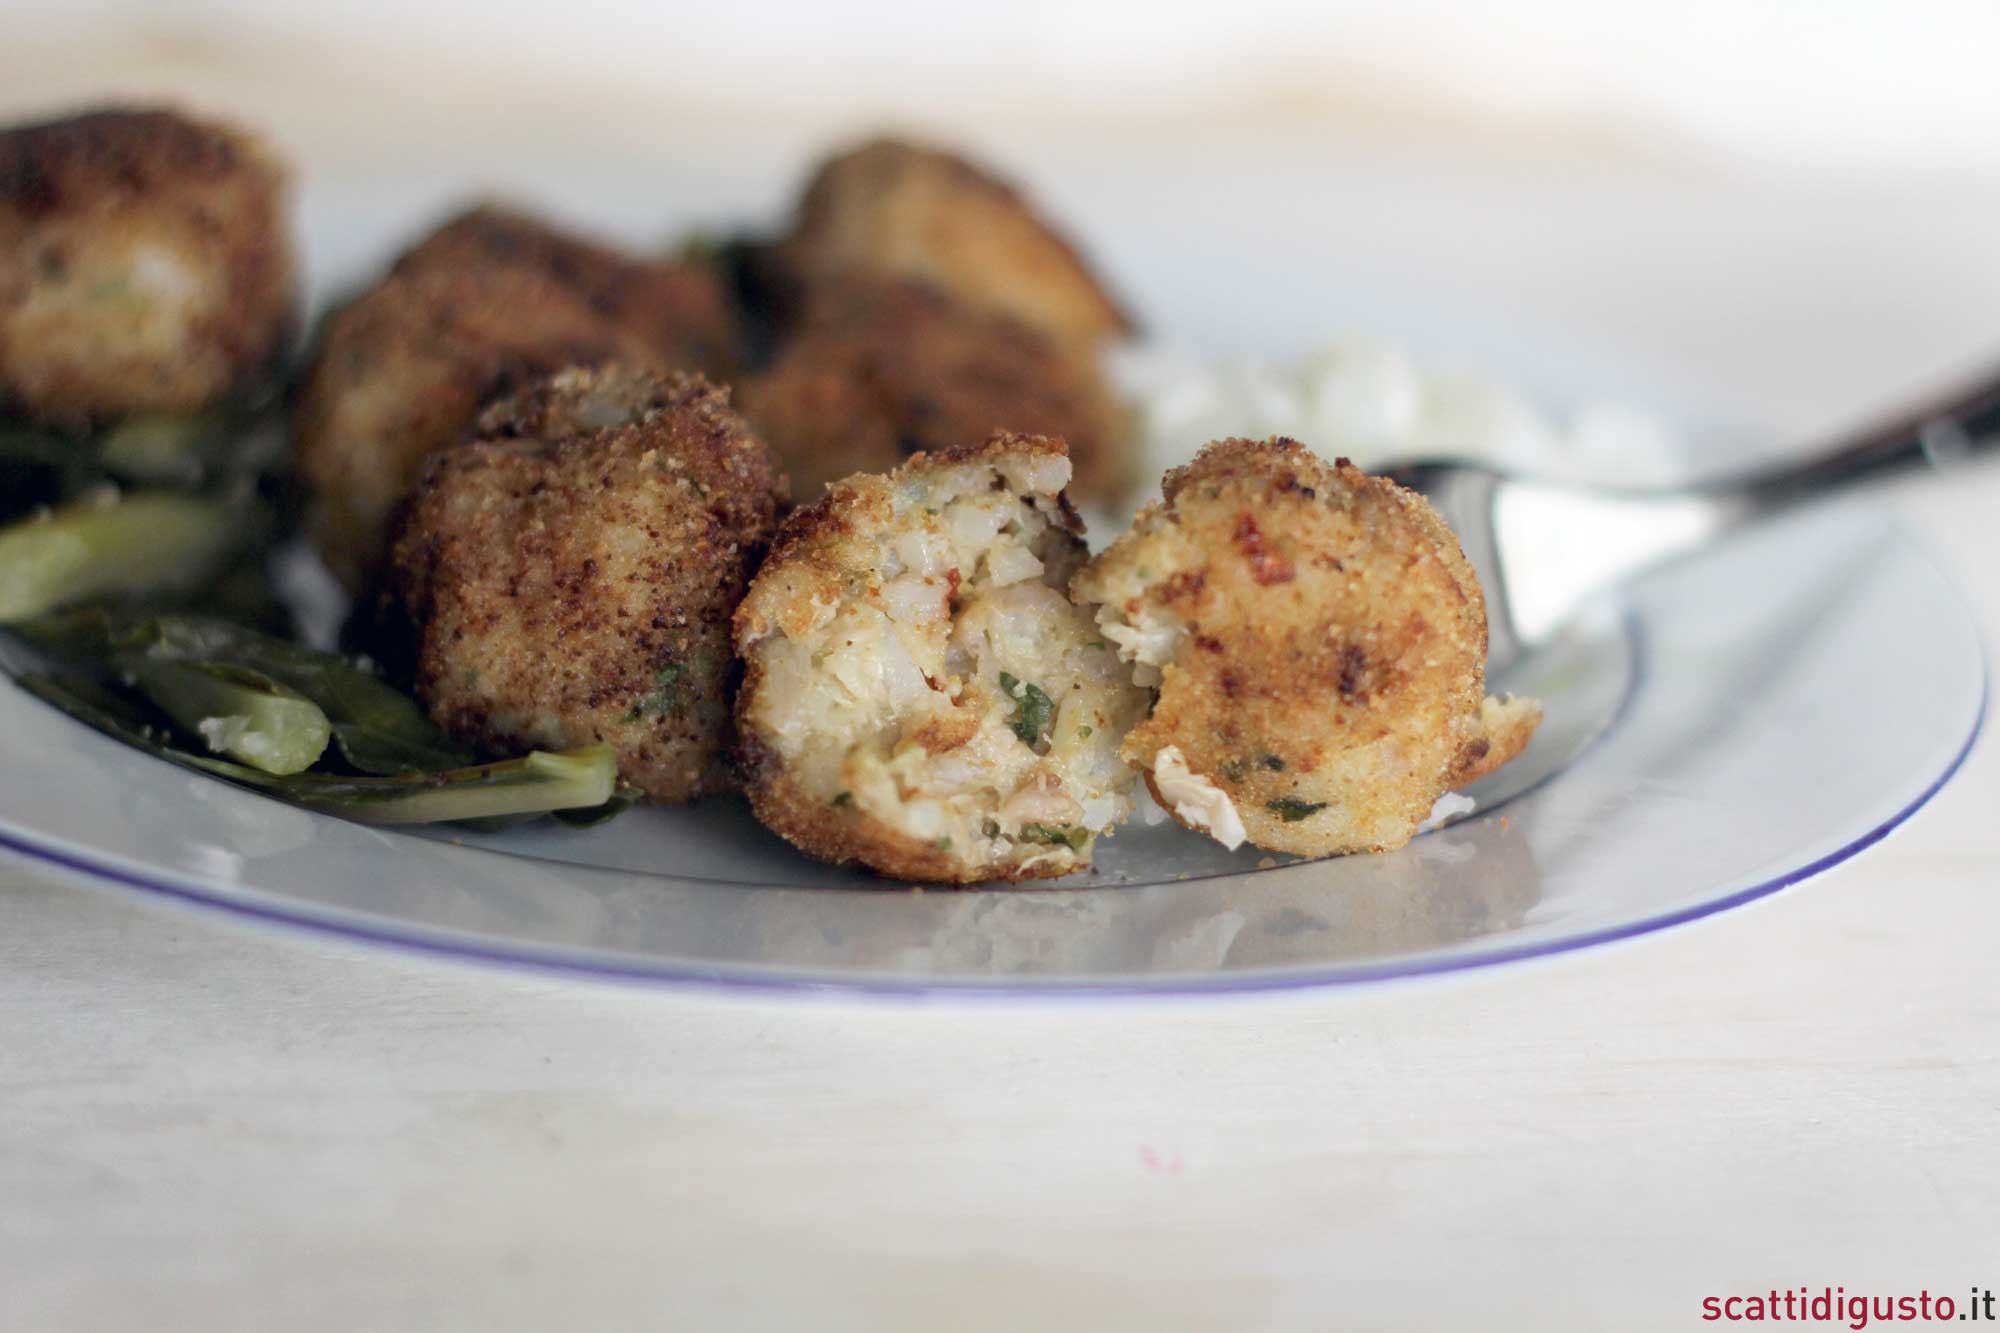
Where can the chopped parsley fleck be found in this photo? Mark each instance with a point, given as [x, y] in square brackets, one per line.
[1234, 770]
[843, 798]
[1097, 643]
[944, 843]
[1083, 733]
[1034, 709]
[1272, 762]
[1291, 809]
[1065, 835]
[990, 828]
[664, 700]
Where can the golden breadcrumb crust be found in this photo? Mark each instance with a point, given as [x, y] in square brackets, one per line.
[1505, 728]
[684, 310]
[145, 266]
[1328, 638]
[571, 572]
[825, 550]
[404, 368]
[874, 369]
[919, 212]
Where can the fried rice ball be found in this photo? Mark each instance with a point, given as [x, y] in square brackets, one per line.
[145, 266]
[571, 570]
[1318, 643]
[684, 310]
[919, 694]
[919, 212]
[405, 368]
[875, 369]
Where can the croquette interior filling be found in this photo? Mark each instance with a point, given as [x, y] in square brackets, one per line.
[1145, 635]
[954, 693]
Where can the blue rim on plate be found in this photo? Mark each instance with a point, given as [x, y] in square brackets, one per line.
[1222, 985]
[1727, 680]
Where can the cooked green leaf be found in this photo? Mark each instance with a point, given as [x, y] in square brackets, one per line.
[1033, 710]
[238, 712]
[539, 782]
[377, 727]
[1291, 809]
[623, 798]
[1064, 835]
[664, 699]
[140, 542]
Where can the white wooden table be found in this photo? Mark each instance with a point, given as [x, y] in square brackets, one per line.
[215, 1126]
[204, 1125]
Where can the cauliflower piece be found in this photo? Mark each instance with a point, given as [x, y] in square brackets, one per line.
[1196, 802]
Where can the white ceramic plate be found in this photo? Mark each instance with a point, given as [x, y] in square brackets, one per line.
[1717, 729]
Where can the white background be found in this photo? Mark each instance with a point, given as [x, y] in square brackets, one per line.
[1786, 211]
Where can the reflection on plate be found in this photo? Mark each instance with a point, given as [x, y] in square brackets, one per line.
[1717, 729]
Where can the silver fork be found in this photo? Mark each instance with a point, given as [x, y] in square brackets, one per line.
[1540, 547]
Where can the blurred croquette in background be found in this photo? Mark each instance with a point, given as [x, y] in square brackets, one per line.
[568, 377]
[1659, 140]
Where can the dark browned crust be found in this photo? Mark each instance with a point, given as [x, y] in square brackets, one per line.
[875, 369]
[60, 165]
[584, 575]
[211, 194]
[1333, 609]
[1048, 281]
[838, 835]
[684, 310]
[815, 545]
[403, 369]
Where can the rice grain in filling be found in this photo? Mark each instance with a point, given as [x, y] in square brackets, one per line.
[920, 694]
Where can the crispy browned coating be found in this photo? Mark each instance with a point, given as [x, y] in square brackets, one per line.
[919, 212]
[571, 572]
[1505, 728]
[145, 266]
[404, 368]
[683, 310]
[1327, 638]
[816, 643]
[874, 369]
[1505, 725]
[820, 547]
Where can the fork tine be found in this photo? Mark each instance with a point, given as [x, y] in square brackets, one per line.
[1465, 497]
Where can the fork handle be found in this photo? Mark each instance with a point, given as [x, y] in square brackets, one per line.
[1941, 431]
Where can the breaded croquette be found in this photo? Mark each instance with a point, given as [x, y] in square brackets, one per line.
[875, 369]
[917, 212]
[571, 571]
[1318, 643]
[684, 310]
[404, 369]
[145, 267]
[919, 694]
